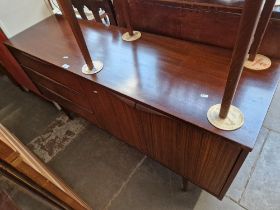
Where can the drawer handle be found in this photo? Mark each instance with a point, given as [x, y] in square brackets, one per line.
[150, 111]
[125, 100]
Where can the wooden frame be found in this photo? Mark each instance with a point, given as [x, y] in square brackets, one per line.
[19, 162]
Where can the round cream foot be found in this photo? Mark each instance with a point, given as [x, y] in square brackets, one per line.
[136, 35]
[234, 120]
[98, 66]
[260, 63]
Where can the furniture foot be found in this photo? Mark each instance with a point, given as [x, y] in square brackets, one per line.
[68, 113]
[233, 121]
[259, 63]
[130, 38]
[185, 184]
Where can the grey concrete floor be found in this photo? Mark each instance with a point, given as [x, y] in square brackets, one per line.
[108, 174]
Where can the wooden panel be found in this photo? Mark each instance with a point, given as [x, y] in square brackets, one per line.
[69, 105]
[16, 155]
[208, 158]
[58, 74]
[159, 132]
[77, 98]
[211, 22]
[167, 74]
[203, 158]
[128, 119]
[197, 24]
[116, 114]
[103, 108]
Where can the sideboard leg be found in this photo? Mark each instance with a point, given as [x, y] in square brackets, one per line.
[68, 113]
[185, 184]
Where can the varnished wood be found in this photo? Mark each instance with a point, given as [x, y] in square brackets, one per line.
[261, 29]
[213, 22]
[154, 68]
[61, 75]
[242, 156]
[15, 157]
[70, 16]
[247, 28]
[153, 95]
[77, 98]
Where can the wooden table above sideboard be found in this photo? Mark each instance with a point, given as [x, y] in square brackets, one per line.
[176, 78]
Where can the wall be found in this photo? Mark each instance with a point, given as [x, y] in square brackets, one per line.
[18, 15]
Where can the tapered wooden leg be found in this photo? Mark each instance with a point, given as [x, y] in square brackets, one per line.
[226, 116]
[69, 114]
[131, 35]
[185, 184]
[261, 28]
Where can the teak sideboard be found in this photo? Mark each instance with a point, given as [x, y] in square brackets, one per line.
[153, 94]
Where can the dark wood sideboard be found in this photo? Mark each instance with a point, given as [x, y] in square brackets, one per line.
[153, 94]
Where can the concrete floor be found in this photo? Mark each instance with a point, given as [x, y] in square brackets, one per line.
[108, 174]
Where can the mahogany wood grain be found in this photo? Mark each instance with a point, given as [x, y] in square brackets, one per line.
[164, 74]
[208, 160]
[214, 22]
[70, 16]
[66, 103]
[261, 29]
[154, 95]
[77, 98]
[242, 156]
[60, 75]
[250, 18]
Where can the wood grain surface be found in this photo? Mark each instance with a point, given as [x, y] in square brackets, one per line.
[178, 78]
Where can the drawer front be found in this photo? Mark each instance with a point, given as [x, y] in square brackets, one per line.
[58, 74]
[71, 95]
[67, 104]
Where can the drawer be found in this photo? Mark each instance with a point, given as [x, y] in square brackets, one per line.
[67, 104]
[72, 95]
[58, 74]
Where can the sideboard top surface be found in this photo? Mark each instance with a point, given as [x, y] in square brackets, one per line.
[179, 78]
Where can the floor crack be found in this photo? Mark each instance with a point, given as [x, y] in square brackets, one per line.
[125, 182]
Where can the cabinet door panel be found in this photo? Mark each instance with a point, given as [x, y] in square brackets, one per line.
[208, 158]
[159, 132]
[103, 108]
[116, 114]
[128, 119]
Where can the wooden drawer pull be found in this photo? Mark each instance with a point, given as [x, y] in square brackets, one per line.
[125, 100]
[150, 111]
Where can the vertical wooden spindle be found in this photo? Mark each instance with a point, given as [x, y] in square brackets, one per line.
[247, 28]
[261, 29]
